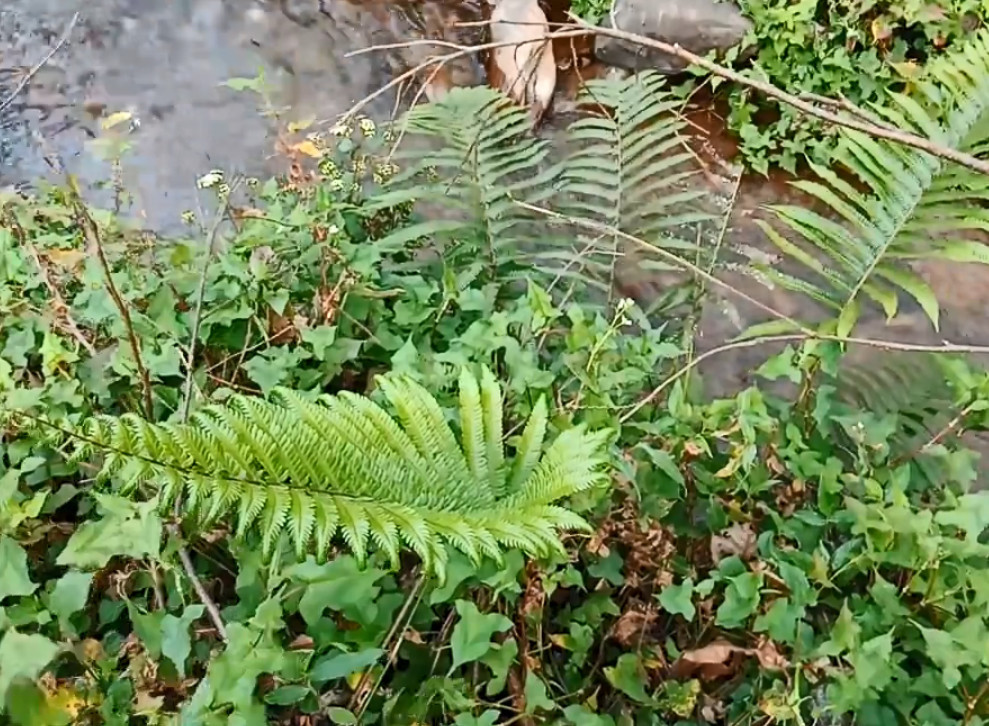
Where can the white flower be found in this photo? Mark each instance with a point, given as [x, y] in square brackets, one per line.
[341, 129]
[332, 230]
[367, 127]
[210, 179]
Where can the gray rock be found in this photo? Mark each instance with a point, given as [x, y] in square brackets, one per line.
[697, 25]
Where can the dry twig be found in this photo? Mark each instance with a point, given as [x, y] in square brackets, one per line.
[40, 64]
[94, 242]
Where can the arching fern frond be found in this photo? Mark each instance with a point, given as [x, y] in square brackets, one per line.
[916, 205]
[480, 159]
[631, 161]
[915, 388]
[341, 469]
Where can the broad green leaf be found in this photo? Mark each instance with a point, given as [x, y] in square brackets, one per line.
[127, 529]
[535, 694]
[14, 578]
[471, 637]
[340, 665]
[948, 654]
[341, 716]
[871, 662]
[578, 715]
[741, 600]
[488, 718]
[500, 660]
[22, 656]
[339, 585]
[69, 597]
[677, 599]
[287, 695]
[148, 629]
[629, 677]
[780, 621]
[175, 642]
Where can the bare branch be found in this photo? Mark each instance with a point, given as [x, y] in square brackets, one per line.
[40, 64]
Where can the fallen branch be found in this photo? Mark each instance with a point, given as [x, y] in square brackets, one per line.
[858, 122]
[40, 64]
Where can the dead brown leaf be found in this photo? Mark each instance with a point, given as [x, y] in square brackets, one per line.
[301, 642]
[714, 660]
[628, 629]
[739, 539]
[769, 656]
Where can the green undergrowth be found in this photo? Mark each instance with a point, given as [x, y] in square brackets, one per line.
[784, 555]
[845, 50]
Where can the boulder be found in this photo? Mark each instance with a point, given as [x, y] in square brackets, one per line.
[697, 25]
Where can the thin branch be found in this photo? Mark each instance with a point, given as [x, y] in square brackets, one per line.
[95, 242]
[40, 64]
[204, 597]
[197, 318]
[197, 315]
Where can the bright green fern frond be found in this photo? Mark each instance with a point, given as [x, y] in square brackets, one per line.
[530, 446]
[916, 205]
[491, 408]
[472, 427]
[341, 470]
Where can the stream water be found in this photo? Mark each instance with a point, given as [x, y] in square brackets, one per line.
[166, 63]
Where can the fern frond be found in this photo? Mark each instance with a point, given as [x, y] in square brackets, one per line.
[916, 205]
[340, 469]
[483, 160]
[630, 163]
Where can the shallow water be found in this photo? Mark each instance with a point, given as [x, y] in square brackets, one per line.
[166, 62]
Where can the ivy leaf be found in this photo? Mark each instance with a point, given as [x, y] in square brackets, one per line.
[340, 585]
[629, 677]
[69, 597]
[608, 568]
[129, 529]
[677, 599]
[871, 663]
[22, 656]
[341, 665]
[14, 578]
[947, 654]
[341, 716]
[148, 629]
[579, 716]
[741, 600]
[286, 695]
[488, 718]
[535, 694]
[780, 620]
[500, 659]
[175, 642]
[320, 338]
[471, 638]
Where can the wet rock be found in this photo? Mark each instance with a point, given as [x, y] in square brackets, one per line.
[697, 25]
